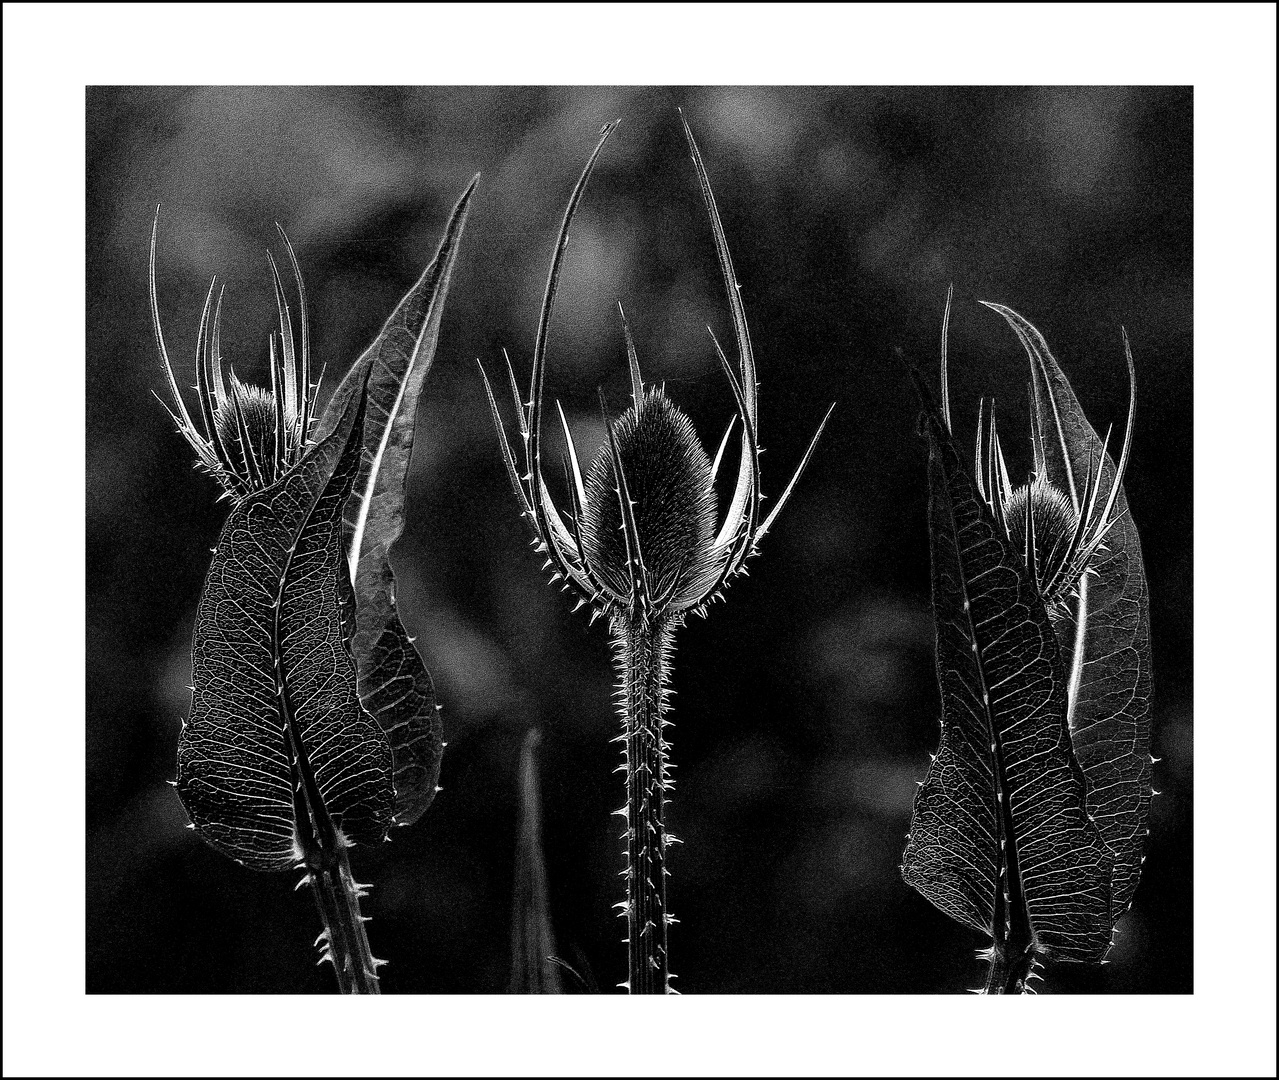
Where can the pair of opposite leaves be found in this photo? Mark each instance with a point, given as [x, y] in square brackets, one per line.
[1030, 823]
[311, 707]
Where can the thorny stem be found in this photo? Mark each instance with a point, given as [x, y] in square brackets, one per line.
[346, 945]
[322, 855]
[643, 647]
[1010, 967]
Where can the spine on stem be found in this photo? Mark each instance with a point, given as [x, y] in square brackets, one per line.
[643, 648]
[322, 855]
[343, 941]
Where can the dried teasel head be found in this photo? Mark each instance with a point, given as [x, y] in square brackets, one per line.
[1058, 533]
[642, 537]
[247, 437]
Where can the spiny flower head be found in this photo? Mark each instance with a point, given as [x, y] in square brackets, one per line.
[641, 539]
[669, 480]
[1057, 533]
[248, 437]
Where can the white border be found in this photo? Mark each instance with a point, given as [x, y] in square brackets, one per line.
[1227, 51]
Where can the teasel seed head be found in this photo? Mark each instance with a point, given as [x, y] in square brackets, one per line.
[668, 477]
[641, 539]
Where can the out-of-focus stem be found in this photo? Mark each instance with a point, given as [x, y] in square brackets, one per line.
[533, 969]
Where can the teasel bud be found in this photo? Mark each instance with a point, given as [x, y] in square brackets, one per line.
[1059, 534]
[641, 545]
[247, 436]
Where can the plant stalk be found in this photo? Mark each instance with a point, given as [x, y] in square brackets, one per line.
[643, 645]
[337, 897]
[1010, 967]
[327, 869]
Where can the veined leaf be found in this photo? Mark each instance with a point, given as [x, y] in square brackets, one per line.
[395, 686]
[274, 707]
[1106, 645]
[1001, 838]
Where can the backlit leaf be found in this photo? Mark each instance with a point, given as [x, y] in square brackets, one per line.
[1106, 643]
[272, 669]
[1001, 837]
[395, 686]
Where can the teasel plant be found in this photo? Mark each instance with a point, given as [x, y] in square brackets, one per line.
[641, 548]
[313, 724]
[1031, 822]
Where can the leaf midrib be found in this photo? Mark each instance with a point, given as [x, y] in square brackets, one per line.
[1016, 918]
[323, 830]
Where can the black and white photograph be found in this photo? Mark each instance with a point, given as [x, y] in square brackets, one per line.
[736, 540]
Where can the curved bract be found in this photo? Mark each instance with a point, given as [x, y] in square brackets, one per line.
[616, 578]
[247, 437]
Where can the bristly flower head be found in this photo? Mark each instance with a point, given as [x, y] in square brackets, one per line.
[248, 437]
[1057, 536]
[642, 539]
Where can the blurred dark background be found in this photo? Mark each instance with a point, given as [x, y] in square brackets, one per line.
[806, 705]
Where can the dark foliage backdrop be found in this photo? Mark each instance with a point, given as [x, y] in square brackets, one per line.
[807, 704]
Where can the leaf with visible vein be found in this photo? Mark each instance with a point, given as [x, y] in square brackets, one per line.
[271, 666]
[1106, 644]
[1000, 837]
[395, 686]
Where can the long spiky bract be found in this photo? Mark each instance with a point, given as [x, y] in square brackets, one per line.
[642, 547]
[247, 437]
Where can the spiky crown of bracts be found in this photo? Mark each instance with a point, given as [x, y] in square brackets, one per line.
[651, 482]
[248, 437]
[1057, 537]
